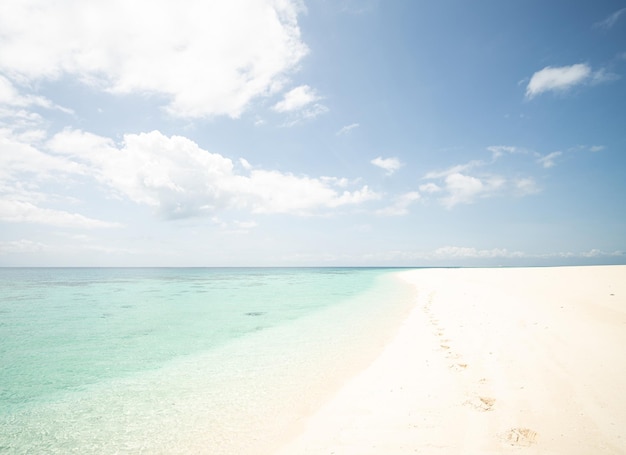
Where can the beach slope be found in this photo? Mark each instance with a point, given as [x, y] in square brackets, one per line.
[507, 360]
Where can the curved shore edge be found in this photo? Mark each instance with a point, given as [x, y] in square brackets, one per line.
[507, 360]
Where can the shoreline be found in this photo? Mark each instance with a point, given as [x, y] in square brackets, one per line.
[491, 361]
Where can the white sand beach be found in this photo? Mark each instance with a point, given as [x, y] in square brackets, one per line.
[510, 360]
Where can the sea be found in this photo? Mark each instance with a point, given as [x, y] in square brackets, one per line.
[182, 360]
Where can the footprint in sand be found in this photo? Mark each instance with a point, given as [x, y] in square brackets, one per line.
[458, 366]
[520, 437]
[482, 404]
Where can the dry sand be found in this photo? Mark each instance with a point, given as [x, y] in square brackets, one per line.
[515, 360]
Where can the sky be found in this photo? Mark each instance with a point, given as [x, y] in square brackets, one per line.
[312, 133]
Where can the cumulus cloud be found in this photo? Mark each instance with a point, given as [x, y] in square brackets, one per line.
[461, 189]
[563, 78]
[301, 104]
[476, 179]
[204, 58]
[458, 187]
[179, 179]
[390, 165]
[557, 78]
[296, 99]
[245, 164]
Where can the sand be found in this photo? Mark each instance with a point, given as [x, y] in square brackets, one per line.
[490, 361]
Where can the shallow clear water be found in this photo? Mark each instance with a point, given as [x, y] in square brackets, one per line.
[180, 360]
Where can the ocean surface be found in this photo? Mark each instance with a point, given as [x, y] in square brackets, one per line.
[157, 360]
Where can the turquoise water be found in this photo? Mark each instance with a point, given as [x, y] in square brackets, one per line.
[180, 360]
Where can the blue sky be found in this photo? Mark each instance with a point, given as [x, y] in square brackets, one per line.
[281, 132]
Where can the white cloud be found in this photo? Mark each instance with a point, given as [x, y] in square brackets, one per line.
[610, 21]
[557, 79]
[468, 252]
[179, 179]
[296, 99]
[21, 246]
[276, 192]
[301, 104]
[245, 164]
[10, 96]
[25, 212]
[429, 188]
[464, 189]
[19, 120]
[500, 150]
[308, 113]
[526, 186]
[205, 58]
[548, 160]
[461, 189]
[18, 158]
[461, 253]
[16, 110]
[401, 204]
[454, 169]
[467, 182]
[313, 111]
[23, 171]
[346, 129]
[587, 148]
[390, 165]
[595, 253]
